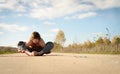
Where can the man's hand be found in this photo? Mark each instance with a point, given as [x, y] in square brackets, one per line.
[21, 51]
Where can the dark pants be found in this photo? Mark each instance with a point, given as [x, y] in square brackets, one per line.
[48, 47]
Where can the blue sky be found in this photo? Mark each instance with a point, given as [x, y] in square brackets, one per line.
[81, 20]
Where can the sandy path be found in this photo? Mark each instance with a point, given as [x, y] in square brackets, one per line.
[60, 63]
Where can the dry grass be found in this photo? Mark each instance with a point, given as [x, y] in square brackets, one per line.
[94, 50]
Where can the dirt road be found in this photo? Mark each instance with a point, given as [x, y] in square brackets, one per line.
[60, 63]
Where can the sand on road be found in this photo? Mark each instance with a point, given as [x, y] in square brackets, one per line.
[60, 63]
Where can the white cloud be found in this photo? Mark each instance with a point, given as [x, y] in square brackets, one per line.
[105, 4]
[48, 35]
[98, 34]
[49, 23]
[9, 44]
[1, 33]
[20, 8]
[13, 5]
[13, 27]
[19, 15]
[54, 30]
[2, 1]
[56, 8]
[51, 9]
[2, 17]
[81, 16]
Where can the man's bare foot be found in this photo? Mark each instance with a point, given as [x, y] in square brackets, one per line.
[21, 51]
[34, 53]
[28, 53]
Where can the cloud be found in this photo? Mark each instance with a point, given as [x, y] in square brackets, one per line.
[13, 27]
[98, 34]
[2, 17]
[51, 9]
[1, 33]
[54, 9]
[20, 8]
[54, 30]
[105, 4]
[48, 35]
[9, 44]
[81, 16]
[49, 23]
[13, 5]
[20, 15]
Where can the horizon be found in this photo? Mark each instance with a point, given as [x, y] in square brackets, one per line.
[80, 20]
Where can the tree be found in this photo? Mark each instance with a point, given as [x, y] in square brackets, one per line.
[116, 41]
[57, 47]
[84, 44]
[89, 44]
[75, 45]
[60, 38]
[106, 41]
[99, 41]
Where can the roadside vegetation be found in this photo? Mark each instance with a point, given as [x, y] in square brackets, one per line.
[7, 50]
[102, 45]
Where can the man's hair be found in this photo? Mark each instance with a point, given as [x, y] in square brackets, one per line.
[35, 35]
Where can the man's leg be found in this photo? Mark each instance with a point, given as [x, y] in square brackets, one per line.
[47, 49]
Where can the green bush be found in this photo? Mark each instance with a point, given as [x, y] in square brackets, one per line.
[4, 50]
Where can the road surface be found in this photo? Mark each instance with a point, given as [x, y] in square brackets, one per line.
[60, 63]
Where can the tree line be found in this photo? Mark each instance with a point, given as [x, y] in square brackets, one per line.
[101, 45]
[6, 50]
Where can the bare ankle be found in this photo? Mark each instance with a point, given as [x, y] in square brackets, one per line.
[28, 53]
